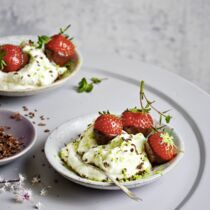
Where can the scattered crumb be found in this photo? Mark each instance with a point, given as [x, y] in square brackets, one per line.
[42, 117]
[31, 115]
[16, 116]
[25, 108]
[41, 124]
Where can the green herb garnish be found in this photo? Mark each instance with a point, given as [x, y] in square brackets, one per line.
[96, 80]
[84, 86]
[42, 40]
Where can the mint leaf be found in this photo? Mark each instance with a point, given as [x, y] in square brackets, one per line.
[168, 118]
[95, 80]
[84, 86]
[89, 88]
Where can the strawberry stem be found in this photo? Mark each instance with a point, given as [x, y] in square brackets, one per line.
[63, 30]
[150, 106]
[142, 95]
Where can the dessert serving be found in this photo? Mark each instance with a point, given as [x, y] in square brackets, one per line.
[37, 64]
[126, 147]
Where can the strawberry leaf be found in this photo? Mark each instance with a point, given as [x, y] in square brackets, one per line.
[135, 110]
[104, 112]
[70, 65]
[42, 40]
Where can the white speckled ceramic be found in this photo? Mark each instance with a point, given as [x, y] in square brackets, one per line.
[23, 129]
[70, 130]
[36, 90]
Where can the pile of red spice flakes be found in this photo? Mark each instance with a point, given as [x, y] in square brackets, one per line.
[9, 145]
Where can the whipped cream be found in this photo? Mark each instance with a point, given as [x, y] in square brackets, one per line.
[123, 157]
[38, 72]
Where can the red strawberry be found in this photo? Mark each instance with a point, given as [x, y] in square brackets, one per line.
[12, 58]
[137, 122]
[160, 147]
[106, 127]
[60, 49]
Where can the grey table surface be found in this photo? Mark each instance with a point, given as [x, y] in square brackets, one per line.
[171, 34]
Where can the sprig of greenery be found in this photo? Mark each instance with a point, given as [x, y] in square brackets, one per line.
[2, 62]
[149, 106]
[42, 40]
[84, 86]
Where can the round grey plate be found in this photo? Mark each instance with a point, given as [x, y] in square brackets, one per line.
[186, 187]
[22, 129]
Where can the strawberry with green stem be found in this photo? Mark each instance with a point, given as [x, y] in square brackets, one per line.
[59, 48]
[160, 147]
[150, 105]
[12, 58]
[139, 120]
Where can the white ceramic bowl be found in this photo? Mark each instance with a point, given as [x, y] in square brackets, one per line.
[69, 131]
[36, 90]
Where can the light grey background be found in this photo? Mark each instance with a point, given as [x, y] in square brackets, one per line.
[171, 34]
